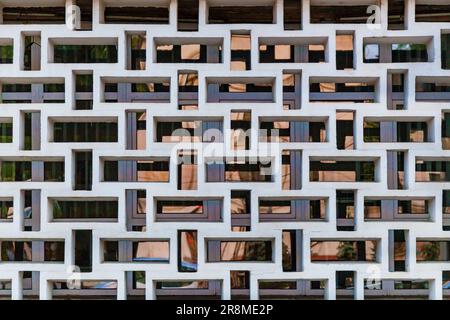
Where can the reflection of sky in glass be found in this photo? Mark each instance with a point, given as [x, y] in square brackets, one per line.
[401, 46]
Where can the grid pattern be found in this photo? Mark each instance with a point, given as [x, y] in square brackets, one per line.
[339, 190]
